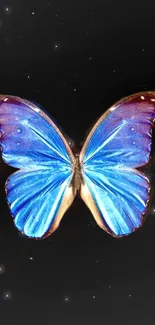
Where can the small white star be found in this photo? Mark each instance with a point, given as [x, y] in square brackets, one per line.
[7, 10]
[28, 77]
[33, 13]
[2, 268]
[143, 50]
[7, 295]
[109, 287]
[31, 258]
[129, 295]
[75, 89]
[56, 46]
[90, 58]
[66, 299]
[94, 297]
[114, 70]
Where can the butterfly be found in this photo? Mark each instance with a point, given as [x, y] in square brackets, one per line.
[105, 173]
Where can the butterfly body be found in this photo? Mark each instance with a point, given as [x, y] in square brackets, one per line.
[105, 173]
[77, 179]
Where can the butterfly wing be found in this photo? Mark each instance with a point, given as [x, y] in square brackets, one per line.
[113, 189]
[39, 194]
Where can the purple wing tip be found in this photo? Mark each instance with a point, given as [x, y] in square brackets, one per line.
[143, 99]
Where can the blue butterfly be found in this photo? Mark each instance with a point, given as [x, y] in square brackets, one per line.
[105, 172]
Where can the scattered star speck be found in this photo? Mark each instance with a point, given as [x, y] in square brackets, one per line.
[7, 295]
[75, 60]
[56, 46]
[8, 10]
[2, 269]
[66, 299]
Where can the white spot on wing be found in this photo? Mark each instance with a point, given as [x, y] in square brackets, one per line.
[36, 109]
[142, 97]
[25, 122]
[112, 108]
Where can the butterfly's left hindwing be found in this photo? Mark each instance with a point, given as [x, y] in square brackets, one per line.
[114, 190]
[40, 193]
[36, 199]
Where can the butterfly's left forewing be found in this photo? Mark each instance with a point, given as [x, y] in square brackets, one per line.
[39, 194]
[114, 190]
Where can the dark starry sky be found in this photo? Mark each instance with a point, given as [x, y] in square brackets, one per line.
[76, 58]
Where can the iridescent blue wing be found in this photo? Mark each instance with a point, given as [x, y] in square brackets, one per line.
[39, 194]
[113, 189]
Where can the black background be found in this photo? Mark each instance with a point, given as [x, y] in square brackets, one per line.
[76, 58]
